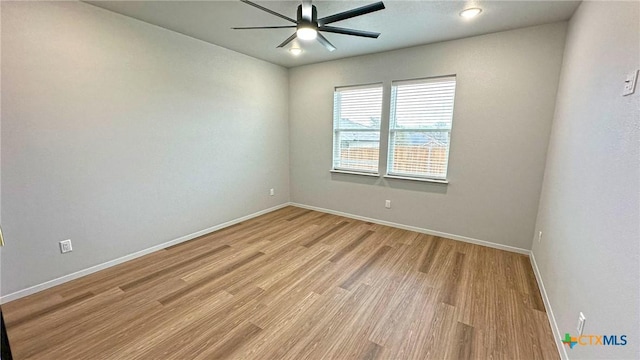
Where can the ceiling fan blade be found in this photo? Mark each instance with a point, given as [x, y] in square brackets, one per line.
[323, 40]
[289, 39]
[339, 30]
[306, 10]
[351, 13]
[269, 11]
[263, 27]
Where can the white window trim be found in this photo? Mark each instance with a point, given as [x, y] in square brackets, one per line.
[403, 176]
[350, 172]
[337, 169]
[416, 178]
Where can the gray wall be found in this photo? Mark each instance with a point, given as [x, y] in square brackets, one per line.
[121, 135]
[589, 213]
[505, 97]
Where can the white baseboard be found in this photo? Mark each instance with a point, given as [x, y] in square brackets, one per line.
[63, 279]
[562, 350]
[78, 274]
[420, 230]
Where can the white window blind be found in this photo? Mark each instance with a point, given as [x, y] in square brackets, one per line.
[420, 127]
[356, 128]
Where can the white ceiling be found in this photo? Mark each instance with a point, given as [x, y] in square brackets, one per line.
[402, 23]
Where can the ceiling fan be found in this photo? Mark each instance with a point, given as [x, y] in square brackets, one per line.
[308, 25]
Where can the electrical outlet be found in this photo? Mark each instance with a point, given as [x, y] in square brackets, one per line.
[387, 204]
[65, 246]
[630, 83]
[539, 236]
[581, 320]
[272, 192]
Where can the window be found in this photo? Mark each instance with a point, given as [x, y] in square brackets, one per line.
[356, 128]
[420, 127]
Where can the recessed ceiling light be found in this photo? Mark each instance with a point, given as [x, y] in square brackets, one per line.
[295, 51]
[470, 13]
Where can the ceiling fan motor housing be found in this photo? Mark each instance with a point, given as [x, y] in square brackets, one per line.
[305, 23]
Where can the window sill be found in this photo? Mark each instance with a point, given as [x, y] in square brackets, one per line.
[354, 173]
[416, 179]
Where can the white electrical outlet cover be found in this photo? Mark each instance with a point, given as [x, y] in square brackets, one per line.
[630, 83]
[65, 246]
[581, 320]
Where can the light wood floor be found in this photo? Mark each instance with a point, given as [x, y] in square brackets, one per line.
[294, 284]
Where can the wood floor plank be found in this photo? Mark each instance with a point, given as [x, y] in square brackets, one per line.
[442, 326]
[353, 344]
[292, 279]
[397, 311]
[452, 287]
[352, 245]
[463, 343]
[105, 280]
[273, 267]
[301, 214]
[172, 268]
[430, 254]
[233, 343]
[282, 342]
[413, 336]
[196, 333]
[287, 237]
[48, 310]
[325, 234]
[87, 337]
[319, 340]
[58, 327]
[355, 276]
[532, 285]
[200, 283]
[294, 284]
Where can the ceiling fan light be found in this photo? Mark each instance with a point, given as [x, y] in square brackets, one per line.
[470, 13]
[295, 51]
[306, 33]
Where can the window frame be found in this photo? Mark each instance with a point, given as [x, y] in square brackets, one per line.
[393, 129]
[336, 130]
